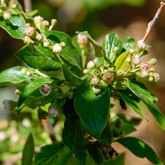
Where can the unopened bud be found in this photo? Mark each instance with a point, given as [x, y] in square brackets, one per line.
[85, 71]
[144, 65]
[150, 78]
[120, 72]
[144, 73]
[46, 44]
[156, 77]
[136, 60]
[152, 61]
[96, 90]
[131, 51]
[6, 15]
[95, 81]
[17, 91]
[39, 36]
[27, 40]
[57, 48]
[141, 44]
[29, 31]
[90, 65]
[82, 39]
[128, 59]
[107, 77]
[38, 21]
[45, 24]
[45, 89]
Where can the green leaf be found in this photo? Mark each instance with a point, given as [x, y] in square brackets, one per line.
[39, 58]
[112, 47]
[55, 154]
[71, 77]
[13, 75]
[121, 62]
[28, 151]
[31, 87]
[129, 43]
[92, 109]
[132, 103]
[72, 133]
[143, 94]
[15, 26]
[68, 53]
[96, 153]
[119, 160]
[139, 148]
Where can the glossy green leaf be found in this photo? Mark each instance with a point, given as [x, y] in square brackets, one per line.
[39, 58]
[121, 62]
[140, 149]
[55, 154]
[92, 109]
[112, 47]
[143, 94]
[28, 151]
[71, 77]
[72, 133]
[68, 53]
[13, 75]
[31, 87]
[15, 26]
[129, 43]
[132, 103]
[119, 160]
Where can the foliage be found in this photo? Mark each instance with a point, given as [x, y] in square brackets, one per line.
[58, 80]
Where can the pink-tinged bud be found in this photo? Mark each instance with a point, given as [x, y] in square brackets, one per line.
[53, 111]
[95, 81]
[141, 44]
[57, 48]
[30, 31]
[45, 89]
[90, 65]
[45, 24]
[82, 39]
[136, 60]
[152, 61]
[6, 15]
[144, 65]
[107, 77]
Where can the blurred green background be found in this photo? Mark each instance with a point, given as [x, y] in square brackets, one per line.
[98, 17]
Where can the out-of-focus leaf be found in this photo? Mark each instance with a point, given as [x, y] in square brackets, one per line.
[13, 75]
[28, 151]
[55, 154]
[92, 109]
[15, 26]
[140, 149]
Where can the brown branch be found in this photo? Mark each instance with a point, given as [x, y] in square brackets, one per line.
[153, 21]
[27, 5]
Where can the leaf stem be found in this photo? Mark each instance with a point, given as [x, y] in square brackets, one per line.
[153, 21]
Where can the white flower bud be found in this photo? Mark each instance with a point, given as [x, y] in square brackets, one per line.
[46, 44]
[85, 71]
[82, 39]
[90, 65]
[45, 24]
[95, 81]
[27, 40]
[156, 77]
[45, 89]
[38, 21]
[144, 73]
[152, 61]
[96, 90]
[150, 78]
[136, 60]
[6, 15]
[39, 36]
[144, 65]
[57, 48]
[30, 31]
[131, 51]
[141, 44]
[128, 59]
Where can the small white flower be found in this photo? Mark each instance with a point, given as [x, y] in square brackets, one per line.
[6, 15]
[95, 81]
[57, 48]
[144, 73]
[141, 44]
[39, 37]
[29, 31]
[46, 44]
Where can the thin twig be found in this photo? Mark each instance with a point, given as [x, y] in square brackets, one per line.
[153, 21]
[27, 5]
